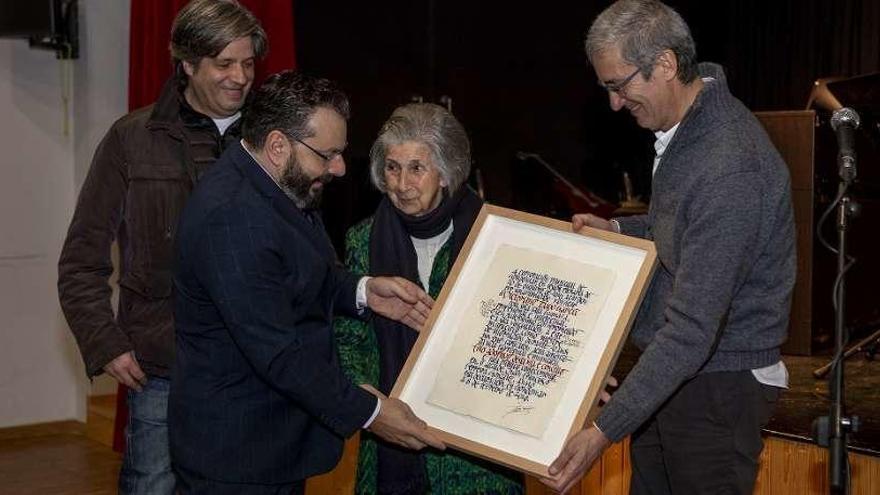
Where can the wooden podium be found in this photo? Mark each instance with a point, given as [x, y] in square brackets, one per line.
[808, 145]
[793, 133]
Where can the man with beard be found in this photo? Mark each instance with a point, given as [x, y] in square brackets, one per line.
[258, 401]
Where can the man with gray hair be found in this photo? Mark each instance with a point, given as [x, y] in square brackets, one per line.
[141, 176]
[716, 313]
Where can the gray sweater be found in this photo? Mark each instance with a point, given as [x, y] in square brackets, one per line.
[722, 221]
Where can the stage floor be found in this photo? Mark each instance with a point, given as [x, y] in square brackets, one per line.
[808, 398]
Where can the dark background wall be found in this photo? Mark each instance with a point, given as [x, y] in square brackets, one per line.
[518, 80]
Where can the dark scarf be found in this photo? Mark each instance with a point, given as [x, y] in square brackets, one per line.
[392, 253]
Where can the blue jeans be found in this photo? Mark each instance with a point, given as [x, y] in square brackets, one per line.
[146, 466]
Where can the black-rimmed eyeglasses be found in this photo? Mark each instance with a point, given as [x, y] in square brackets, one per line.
[619, 88]
[327, 157]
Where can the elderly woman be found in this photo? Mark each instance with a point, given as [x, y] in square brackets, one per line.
[420, 161]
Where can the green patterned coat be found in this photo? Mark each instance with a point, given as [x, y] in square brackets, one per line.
[449, 473]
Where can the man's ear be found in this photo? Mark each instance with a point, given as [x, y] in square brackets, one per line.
[667, 62]
[188, 68]
[277, 148]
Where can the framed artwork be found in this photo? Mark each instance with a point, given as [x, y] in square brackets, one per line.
[524, 335]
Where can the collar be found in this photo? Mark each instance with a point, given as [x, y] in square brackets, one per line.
[193, 119]
[166, 110]
[247, 150]
[171, 109]
[663, 138]
[309, 224]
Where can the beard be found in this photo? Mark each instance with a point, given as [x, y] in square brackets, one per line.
[303, 190]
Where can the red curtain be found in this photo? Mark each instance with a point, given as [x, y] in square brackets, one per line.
[149, 65]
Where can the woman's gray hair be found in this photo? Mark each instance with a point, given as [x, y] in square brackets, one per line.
[437, 129]
[203, 28]
[642, 30]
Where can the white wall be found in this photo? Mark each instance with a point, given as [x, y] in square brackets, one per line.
[101, 95]
[41, 373]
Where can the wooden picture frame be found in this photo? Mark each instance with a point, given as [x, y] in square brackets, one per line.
[500, 231]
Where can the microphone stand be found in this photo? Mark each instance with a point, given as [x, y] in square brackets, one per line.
[841, 425]
[832, 431]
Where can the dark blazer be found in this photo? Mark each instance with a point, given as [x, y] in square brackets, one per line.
[257, 393]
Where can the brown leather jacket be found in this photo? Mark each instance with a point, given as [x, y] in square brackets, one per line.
[141, 176]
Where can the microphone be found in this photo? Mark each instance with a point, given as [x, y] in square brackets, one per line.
[845, 121]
